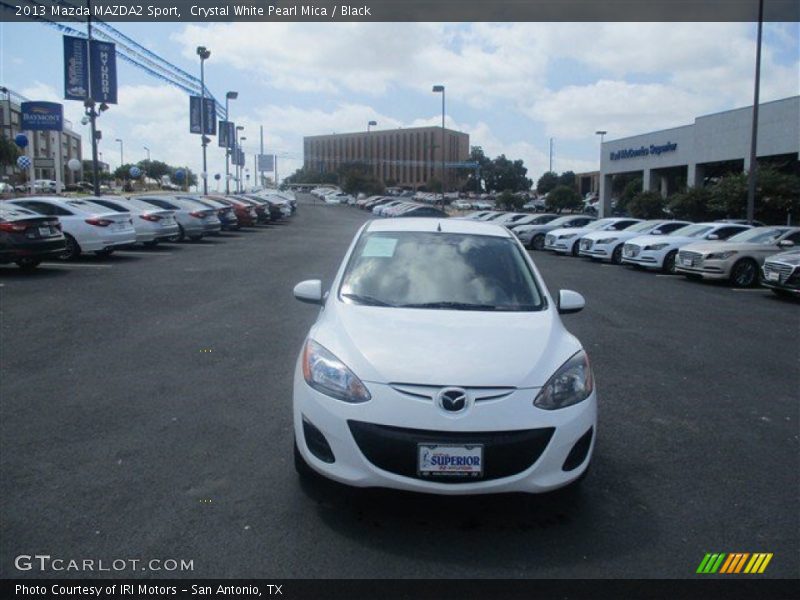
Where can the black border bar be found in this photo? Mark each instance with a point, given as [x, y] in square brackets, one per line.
[200, 11]
[705, 587]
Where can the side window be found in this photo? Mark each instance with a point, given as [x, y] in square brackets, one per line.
[724, 233]
[620, 225]
[794, 237]
[157, 202]
[670, 227]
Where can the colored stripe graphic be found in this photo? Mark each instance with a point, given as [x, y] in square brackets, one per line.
[734, 563]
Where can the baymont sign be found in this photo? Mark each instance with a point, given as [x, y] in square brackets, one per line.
[643, 151]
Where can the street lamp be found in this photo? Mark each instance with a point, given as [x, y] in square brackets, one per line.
[203, 53]
[436, 90]
[121, 159]
[148, 152]
[601, 133]
[241, 166]
[229, 96]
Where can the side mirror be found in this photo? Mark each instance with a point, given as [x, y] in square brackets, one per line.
[309, 291]
[570, 302]
[712, 236]
[786, 243]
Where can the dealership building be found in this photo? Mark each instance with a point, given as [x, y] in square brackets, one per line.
[407, 157]
[713, 145]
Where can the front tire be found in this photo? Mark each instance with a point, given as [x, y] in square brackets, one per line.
[616, 255]
[576, 248]
[669, 263]
[744, 273]
[304, 471]
[72, 250]
[537, 243]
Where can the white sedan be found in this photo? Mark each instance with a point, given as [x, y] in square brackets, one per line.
[440, 364]
[607, 245]
[565, 241]
[87, 226]
[659, 251]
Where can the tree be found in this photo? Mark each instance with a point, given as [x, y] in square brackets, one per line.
[567, 178]
[647, 205]
[9, 152]
[355, 178]
[434, 185]
[510, 201]
[729, 196]
[691, 204]
[632, 187]
[154, 169]
[776, 195]
[563, 197]
[505, 174]
[477, 155]
[123, 171]
[546, 182]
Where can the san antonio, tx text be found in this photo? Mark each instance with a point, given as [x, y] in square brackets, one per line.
[126, 589]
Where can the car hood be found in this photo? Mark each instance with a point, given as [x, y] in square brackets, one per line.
[610, 233]
[706, 247]
[445, 347]
[790, 258]
[573, 230]
[672, 240]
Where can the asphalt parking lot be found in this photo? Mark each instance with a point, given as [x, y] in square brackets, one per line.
[145, 412]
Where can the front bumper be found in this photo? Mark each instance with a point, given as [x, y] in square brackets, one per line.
[561, 246]
[389, 426]
[646, 259]
[708, 269]
[601, 252]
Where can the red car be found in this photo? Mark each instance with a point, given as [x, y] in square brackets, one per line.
[245, 212]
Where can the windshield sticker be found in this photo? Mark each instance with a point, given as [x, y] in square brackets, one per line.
[379, 247]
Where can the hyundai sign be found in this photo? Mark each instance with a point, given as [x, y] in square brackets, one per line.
[42, 116]
[104, 72]
[643, 151]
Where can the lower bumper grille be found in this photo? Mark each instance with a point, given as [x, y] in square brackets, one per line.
[505, 453]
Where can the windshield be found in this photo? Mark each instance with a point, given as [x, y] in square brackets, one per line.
[759, 235]
[643, 226]
[692, 231]
[561, 221]
[439, 271]
[598, 224]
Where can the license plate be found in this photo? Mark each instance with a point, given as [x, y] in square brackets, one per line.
[45, 231]
[447, 460]
[627, 252]
[686, 262]
[773, 276]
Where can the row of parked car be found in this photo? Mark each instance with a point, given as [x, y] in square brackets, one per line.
[36, 228]
[729, 250]
[393, 206]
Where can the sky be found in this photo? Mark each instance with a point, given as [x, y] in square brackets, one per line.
[510, 86]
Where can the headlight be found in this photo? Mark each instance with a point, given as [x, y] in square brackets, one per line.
[327, 374]
[567, 236]
[572, 383]
[721, 255]
[656, 247]
[606, 240]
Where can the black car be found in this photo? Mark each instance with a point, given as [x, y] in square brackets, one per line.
[27, 238]
[781, 273]
[422, 211]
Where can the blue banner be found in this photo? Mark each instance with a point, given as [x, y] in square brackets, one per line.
[104, 72]
[42, 116]
[210, 118]
[76, 68]
[227, 131]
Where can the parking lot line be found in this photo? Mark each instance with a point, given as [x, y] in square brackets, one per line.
[668, 275]
[76, 265]
[143, 252]
[762, 290]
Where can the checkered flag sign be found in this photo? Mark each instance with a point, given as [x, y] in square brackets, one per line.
[24, 162]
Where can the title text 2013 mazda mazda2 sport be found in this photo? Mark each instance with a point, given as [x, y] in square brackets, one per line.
[439, 364]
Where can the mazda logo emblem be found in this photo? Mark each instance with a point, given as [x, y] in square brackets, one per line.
[452, 399]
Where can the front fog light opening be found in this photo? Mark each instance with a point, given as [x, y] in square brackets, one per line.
[579, 451]
[316, 442]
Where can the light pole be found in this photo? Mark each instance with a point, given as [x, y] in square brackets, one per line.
[241, 168]
[229, 96]
[236, 149]
[121, 157]
[146, 149]
[601, 133]
[203, 53]
[369, 146]
[752, 175]
[437, 89]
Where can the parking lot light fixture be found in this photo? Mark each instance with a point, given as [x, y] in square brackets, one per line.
[440, 89]
[121, 156]
[228, 97]
[203, 53]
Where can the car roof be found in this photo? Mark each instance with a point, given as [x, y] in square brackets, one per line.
[434, 223]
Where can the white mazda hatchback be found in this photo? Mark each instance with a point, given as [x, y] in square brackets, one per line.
[439, 363]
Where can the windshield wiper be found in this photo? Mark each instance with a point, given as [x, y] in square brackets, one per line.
[367, 300]
[450, 305]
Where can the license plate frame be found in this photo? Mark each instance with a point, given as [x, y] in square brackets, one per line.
[425, 464]
[773, 276]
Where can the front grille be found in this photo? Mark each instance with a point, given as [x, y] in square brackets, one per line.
[783, 270]
[394, 449]
[586, 244]
[631, 250]
[694, 258]
[428, 392]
